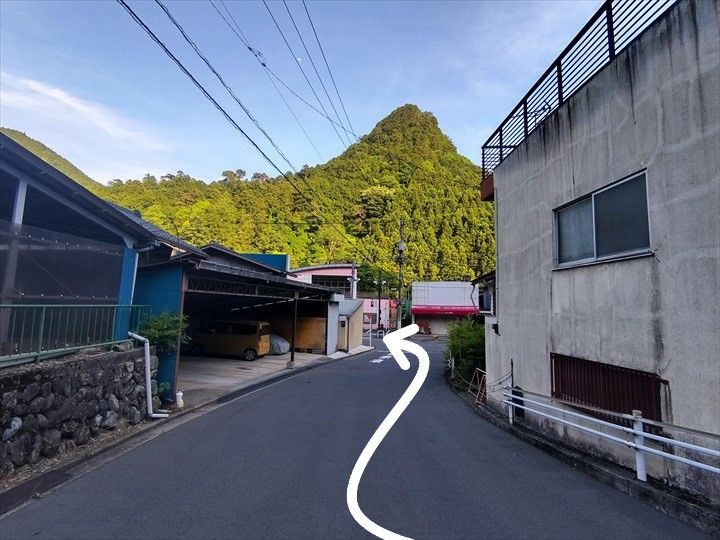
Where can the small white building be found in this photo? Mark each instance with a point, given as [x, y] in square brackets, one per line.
[437, 304]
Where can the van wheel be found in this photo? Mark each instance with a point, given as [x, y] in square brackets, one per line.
[250, 355]
[196, 350]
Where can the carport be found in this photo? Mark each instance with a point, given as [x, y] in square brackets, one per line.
[216, 283]
[298, 312]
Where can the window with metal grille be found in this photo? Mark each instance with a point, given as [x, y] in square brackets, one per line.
[339, 283]
[605, 386]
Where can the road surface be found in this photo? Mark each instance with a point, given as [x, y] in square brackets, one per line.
[275, 464]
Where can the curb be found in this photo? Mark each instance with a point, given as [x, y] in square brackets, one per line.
[707, 519]
[35, 486]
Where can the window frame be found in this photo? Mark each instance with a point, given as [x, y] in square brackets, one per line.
[629, 254]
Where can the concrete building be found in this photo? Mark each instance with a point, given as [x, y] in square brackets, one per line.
[437, 304]
[608, 236]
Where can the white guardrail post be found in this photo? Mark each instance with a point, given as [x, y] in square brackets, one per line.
[639, 441]
[511, 407]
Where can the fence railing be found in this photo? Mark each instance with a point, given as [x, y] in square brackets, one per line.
[637, 435]
[31, 332]
[610, 30]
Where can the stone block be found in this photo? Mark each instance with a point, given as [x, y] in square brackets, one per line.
[133, 415]
[19, 449]
[51, 442]
[9, 399]
[37, 405]
[110, 420]
[11, 428]
[29, 393]
[113, 403]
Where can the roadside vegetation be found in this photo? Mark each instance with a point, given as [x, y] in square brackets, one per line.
[466, 345]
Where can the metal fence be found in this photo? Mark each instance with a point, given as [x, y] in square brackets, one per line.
[32, 332]
[610, 30]
[636, 436]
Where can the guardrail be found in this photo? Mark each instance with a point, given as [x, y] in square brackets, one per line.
[516, 398]
[610, 30]
[30, 332]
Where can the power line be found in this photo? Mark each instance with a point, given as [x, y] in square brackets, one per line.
[261, 60]
[332, 78]
[277, 90]
[312, 62]
[292, 53]
[136, 18]
[222, 81]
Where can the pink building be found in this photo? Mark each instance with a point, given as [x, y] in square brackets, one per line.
[339, 276]
[370, 312]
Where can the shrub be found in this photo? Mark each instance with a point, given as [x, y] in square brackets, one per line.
[466, 344]
[165, 331]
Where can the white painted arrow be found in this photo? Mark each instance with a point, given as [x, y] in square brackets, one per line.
[396, 343]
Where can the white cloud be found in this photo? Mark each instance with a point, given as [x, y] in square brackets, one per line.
[99, 140]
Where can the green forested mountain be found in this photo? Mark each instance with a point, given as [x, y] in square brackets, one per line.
[54, 159]
[405, 168]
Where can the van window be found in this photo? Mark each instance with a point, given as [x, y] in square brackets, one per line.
[219, 328]
[244, 329]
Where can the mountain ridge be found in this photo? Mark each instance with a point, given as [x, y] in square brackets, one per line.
[405, 168]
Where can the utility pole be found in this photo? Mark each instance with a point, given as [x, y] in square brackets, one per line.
[401, 260]
[379, 282]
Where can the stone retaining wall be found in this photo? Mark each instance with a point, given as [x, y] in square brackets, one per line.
[55, 405]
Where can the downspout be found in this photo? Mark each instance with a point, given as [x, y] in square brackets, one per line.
[148, 378]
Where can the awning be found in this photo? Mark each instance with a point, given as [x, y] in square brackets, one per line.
[460, 311]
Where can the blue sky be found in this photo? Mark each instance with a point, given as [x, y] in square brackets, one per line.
[88, 82]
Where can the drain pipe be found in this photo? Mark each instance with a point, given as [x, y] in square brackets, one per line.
[148, 378]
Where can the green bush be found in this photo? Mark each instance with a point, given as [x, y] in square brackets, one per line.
[165, 331]
[466, 344]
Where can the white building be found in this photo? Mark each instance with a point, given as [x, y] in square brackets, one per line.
[437, 304]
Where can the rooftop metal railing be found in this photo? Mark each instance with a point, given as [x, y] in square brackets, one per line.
[32, 332]
[637, 435]
[610, 30]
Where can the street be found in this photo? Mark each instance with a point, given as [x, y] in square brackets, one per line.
[275, 464]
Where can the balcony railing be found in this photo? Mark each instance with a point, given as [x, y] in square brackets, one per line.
[609, 31]
[32, 332]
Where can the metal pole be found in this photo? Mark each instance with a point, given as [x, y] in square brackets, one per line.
[291, 362]
[639, 440]
[379, 300]
[511, 406]
[610, 29]
[401, 252]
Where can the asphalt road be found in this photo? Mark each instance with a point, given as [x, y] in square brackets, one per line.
[275, 464]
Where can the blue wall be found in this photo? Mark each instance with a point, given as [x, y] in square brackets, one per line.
[281, 261]
[159, 288]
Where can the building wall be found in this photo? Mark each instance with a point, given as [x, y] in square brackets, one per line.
[443, 293]
[370, 307]
[160, 288]
[332, 327]
[656, 107]
[355, 331]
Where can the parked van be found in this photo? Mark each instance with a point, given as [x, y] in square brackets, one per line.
[245, 338]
